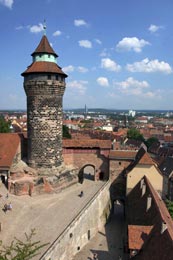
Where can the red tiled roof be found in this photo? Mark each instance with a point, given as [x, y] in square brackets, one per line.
[159, 243]
[146, 159]
[162, 209]
[8, 146]
[44, 47]
[137, 235]
[87, 143]
[43, 67]
[117, 154]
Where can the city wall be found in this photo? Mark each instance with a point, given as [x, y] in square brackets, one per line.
[82, 228]
[83, 157]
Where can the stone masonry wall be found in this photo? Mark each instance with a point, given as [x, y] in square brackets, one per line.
[44, 113]
[85, 226]
[81, 158]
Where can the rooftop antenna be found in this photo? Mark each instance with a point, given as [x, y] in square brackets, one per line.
[44, 26]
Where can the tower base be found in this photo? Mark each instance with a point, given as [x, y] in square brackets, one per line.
[27, 181]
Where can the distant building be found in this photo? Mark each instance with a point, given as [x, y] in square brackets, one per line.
[107, 127]
[132, 113]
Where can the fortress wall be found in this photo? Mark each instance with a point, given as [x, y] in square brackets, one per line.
[81, 158]
[85, 226]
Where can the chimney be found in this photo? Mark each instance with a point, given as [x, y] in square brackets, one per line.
[149, 201]
[143, 189]
[163, 227]
[142, 182]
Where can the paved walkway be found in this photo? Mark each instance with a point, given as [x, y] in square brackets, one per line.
[108, 243]
[49, 214]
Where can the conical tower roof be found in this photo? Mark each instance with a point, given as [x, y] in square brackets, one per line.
[45, 65]
[44, 47]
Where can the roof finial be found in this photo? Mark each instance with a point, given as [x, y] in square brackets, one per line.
[44, 27]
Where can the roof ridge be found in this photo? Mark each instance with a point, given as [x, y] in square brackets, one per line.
[162, 209]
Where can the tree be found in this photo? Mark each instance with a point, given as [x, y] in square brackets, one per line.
[4, 125]
[19, 250]
[151, 141]
[66, 133]
[135, 134]
[169, 205]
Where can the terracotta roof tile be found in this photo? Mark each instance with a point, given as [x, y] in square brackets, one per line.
[146, 159]
[8, 146]
[43, 67]
[137, 235]
[117, 154]
[87, 143]
[44, 47]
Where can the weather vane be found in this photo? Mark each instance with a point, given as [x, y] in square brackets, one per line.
[44, 26]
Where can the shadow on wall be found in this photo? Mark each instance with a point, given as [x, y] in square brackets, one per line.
[114, 235]
[87, 172]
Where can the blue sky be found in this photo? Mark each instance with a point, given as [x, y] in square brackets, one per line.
[118, 53]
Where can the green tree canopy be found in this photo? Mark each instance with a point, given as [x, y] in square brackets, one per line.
[151, 141]
[135, 134]
[4, 125]
[169, 205]
[21, 250]
[66, 133]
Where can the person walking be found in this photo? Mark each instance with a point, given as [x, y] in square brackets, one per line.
[95, 256]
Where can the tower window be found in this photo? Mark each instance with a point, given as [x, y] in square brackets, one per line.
[57, 77]
[48, 55]
[49, 76]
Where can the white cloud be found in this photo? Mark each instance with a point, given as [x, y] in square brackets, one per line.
[82, 69]
[78, 86]
[98, 41]
[131, 44]
[36, 28]
[154, 28]
[102, 81]
[85, 44]
[110, 65]
[131, 82]
[134, 87]
[80, 22]
[150, 94]
[104, 53]
[150, 66]
[57, 33]
[7, 3]
[20, 27]
[69, 68]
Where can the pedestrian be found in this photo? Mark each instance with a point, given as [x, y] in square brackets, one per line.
[10, 206]
[95, 256]
[7, 196]
[81, 193]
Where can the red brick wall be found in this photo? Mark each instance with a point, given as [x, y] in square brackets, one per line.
[116, 167]
[82, 157]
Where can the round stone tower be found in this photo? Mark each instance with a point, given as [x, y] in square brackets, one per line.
[44, 84]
